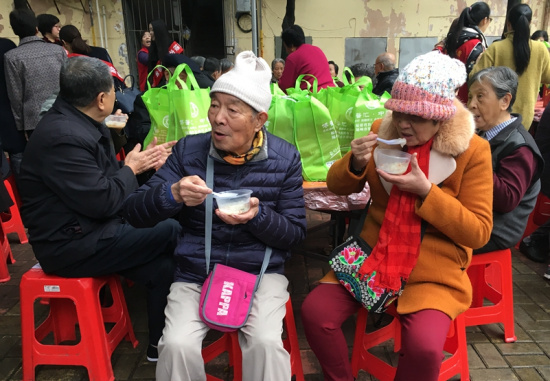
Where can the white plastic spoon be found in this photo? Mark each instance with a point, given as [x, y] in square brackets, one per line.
[393, 142]
[225, 195]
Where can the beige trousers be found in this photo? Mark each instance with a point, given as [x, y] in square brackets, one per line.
[264, 357]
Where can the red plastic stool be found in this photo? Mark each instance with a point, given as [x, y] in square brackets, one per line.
[229, 342]
[73, 301]
[498, 289]
[16, 197]
[361, 358]
[6, 256]
[538, 217]
[11, 222]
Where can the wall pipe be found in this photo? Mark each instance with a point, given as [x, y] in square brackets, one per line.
[99, 23]
[105, 26]
[254, 26]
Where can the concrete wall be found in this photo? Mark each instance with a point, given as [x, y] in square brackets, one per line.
[331, 22]
[72, 13]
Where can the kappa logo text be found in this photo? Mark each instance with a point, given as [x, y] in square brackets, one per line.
[225, 298]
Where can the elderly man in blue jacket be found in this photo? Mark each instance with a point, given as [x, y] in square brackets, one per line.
[245, 156]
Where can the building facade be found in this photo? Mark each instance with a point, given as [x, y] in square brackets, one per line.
[348, 31]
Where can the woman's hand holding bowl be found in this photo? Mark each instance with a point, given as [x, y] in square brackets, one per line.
[414, 182]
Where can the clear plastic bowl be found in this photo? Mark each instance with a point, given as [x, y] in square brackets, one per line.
[392, 161]
[234, 201]
[116, 121]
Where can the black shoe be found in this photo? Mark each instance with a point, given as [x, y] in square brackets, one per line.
[534, 251]
[152, 353]
[547, 273]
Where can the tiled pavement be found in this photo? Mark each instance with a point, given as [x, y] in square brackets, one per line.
[490, 359]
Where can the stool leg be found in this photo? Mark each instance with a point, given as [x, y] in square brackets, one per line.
[95, 340]
[64, 320]
[291, 343]
[236, 356]
[118, 313]
[14, 224]
[4, 272]
[508, 301]
[6, 256]
[27, 334]
[356, 355]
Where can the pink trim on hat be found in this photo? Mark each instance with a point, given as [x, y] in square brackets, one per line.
[410, 99]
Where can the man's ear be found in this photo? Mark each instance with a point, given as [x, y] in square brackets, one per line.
[262, 118]
[100, 101]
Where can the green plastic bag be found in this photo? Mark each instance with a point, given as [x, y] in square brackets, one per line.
[176, 113]
[157, 102]
[280, 117]
[189, 105]
[315, 137]
[342, 102]
[276, 90]
[321, 95]
[368, 108]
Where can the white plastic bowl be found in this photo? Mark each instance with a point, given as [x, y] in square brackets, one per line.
[234, 201]
[392, 161]
[115, 121]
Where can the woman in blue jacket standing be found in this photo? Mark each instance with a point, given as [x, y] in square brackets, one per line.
[244, 156]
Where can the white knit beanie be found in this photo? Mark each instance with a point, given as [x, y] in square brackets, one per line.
[249, 81]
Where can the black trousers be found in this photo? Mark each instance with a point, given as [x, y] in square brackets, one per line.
[489, 246]
[144, 256]
[542, 236]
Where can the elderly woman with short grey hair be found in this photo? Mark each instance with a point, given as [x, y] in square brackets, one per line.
[277, 68]
[517, 162]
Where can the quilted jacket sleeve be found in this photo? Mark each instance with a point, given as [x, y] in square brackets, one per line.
[151, 203]
[284, 227]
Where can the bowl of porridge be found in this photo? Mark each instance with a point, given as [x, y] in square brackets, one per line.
[233, 201]
[392, 161]
[116, 121]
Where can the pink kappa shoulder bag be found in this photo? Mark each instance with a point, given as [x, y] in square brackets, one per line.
[227, 293]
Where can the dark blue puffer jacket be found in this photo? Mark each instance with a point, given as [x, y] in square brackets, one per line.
[274, 176]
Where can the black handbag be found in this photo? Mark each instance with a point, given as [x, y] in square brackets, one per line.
[125, 97]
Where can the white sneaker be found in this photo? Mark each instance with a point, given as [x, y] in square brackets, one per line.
[547, 273]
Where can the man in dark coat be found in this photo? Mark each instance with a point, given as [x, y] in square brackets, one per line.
[386, 73]
[72, 188]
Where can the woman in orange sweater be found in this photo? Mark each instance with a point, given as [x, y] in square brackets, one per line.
[449, 185]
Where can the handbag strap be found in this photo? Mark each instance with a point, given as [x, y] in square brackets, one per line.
[133, 81]
[208, 227]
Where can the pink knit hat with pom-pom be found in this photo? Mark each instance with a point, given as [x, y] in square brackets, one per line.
[427, 87]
